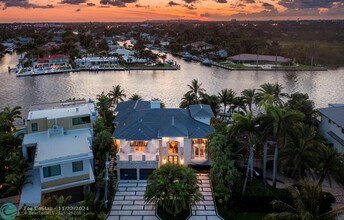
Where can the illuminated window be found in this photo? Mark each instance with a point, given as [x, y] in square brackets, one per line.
[138, 146]
[172, 147]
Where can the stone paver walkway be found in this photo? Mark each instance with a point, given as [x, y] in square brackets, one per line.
[205, 209]
[129, 204]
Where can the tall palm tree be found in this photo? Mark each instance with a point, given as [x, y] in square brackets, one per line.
[117, 94]
[187, 100]
[298, 158]
[306, 205]
[9, 115]
[103, 104]
[196, 89]
[226, 97]
[270, 94]
[330, 164]
[248, 97]
[18, 176]
[279, 124]
[174, 187]
[248, 127]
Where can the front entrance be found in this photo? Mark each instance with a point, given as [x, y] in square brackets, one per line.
[173, 159]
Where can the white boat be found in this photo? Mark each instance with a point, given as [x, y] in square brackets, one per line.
[207, 62]
[170, 62]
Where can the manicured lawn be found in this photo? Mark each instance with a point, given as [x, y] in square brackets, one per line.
[239, 66]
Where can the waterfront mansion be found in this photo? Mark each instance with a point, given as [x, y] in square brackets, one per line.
[58, 147]
[147, 136]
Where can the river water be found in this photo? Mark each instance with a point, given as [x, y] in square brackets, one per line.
[323, 87]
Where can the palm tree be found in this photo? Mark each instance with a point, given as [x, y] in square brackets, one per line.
[103, 105]
[306, 205]
[18, 176]
[248, 97]
[9, 115]
[248, 127]
[135, 97]
[226, 97]
[270, 94]
[174, 187]
[162, 104]
[117, 94]
[187, 100]
[279, 124]
[329, 164]
[298, 158]
[163, 57]
[196, 89]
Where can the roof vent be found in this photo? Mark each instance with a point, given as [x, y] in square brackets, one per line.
[154, 104]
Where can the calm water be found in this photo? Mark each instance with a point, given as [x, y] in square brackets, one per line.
[169, 86]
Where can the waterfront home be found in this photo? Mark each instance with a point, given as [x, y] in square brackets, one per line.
[88, 62]
[147, 136]
[53, 61]
[58, 147]
[260, 59]
[332, 125]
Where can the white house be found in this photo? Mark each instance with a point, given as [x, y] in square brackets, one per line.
[332, 125]
[147, 137]
[58, 147]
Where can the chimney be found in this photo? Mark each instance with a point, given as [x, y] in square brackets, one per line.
[154, 104]
[77, 109]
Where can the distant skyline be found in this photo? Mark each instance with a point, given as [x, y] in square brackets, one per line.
[141, 10]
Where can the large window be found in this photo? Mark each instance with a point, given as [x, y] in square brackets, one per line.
[34, 127]
[78, 166]
[173, 147]
[198, 148]
[52, 171]
[81, 120]
[138, 146]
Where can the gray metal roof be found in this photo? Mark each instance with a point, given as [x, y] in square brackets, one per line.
[147, 124]
[201, 110]
[253, 57]
[335, 114]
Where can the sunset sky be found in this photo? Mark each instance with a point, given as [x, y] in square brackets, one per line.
[140, 10]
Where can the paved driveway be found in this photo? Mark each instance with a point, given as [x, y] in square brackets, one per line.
[129, 204]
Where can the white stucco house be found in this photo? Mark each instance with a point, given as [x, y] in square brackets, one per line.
[332, 125]
[147, 136]
[58, 147]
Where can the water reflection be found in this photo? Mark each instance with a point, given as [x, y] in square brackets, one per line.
[169, 86]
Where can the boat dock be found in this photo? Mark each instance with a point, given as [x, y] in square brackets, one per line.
[21, 73]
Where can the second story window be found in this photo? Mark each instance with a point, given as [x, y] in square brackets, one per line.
[138, 146]
[77, 166]
[34, 127]
[81, 120]
[52, 171]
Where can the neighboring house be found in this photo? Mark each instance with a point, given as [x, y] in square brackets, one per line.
[95, 61]
[262, 59]
[332, 125]
[58, 147]
[55, 61]
[147, 137]
[25, 40]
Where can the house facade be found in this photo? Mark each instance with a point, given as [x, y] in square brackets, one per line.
[54, 61]
[58, 147]
[147, 136]
[332, 125]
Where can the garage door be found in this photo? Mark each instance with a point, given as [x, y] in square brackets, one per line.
[145, 173]
[128, 174]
